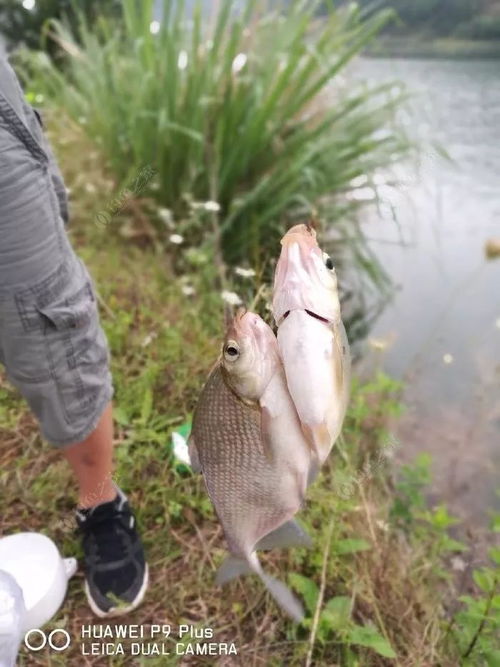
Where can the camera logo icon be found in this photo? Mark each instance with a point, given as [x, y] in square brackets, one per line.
[37, 639]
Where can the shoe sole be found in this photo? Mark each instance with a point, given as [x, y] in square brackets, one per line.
[121, 610]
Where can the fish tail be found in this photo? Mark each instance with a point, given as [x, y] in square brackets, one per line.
[314, 469]
[232, 568]
[282, 595]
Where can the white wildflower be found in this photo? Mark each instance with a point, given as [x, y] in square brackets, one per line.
[447, 358]
[212, 206]
[39, 98]
[244, 273]
[239, 62]
[165, 216]
[188, 290]
[29, 4]
[231, 297]
[154, 27]
[182, 60]
[90, 188]
[177, 239]
[458, 564]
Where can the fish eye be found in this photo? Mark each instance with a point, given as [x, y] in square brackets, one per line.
[328, 261]
[231, 351]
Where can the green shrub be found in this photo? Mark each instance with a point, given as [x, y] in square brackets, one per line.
[247, 108]
[24, 23]
[480, 27]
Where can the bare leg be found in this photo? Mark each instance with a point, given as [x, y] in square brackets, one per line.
[114, 563]
[92, 463]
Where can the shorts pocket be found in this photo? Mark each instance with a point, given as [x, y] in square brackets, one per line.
[72, 311]
[63, 310]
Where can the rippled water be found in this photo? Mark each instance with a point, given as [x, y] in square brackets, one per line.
[441, 331]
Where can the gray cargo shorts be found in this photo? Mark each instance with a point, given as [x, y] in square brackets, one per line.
[51, 343]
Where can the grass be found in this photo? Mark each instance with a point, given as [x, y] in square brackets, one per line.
[247, 109]
[379, 585]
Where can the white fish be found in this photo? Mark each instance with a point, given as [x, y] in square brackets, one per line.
[311, 338]
[248, 442]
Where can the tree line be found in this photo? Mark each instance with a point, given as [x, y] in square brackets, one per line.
[467, 19]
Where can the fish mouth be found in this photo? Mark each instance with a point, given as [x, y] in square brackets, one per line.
[304, 234]
[295, 272]
[235, 328]
[298, 246]
[247, 323]
[301, 280]
[240, 314]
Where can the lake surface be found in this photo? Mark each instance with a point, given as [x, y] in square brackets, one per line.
[441, 331]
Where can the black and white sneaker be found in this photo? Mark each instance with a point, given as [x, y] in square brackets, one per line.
[116, 573]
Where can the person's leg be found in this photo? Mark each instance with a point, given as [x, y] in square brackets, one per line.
[55, 352]
[92, 464]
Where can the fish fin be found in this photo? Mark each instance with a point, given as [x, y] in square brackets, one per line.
[232, 568]
[314, 469]
[281, 594]
[290, 534]
[318, 438]
[339, 358]
[193, 455]
[346, 356]
[265, 433]
[284, 597]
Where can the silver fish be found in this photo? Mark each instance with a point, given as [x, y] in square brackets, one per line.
[311, 338]
[248, 442]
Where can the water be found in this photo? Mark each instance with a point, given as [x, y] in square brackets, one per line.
[441, 332]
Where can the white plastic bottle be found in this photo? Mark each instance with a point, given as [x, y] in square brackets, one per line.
[12, 611]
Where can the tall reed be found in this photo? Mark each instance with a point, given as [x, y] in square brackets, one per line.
[246, 105]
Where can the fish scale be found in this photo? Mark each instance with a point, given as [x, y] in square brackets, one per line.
[243, 486]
